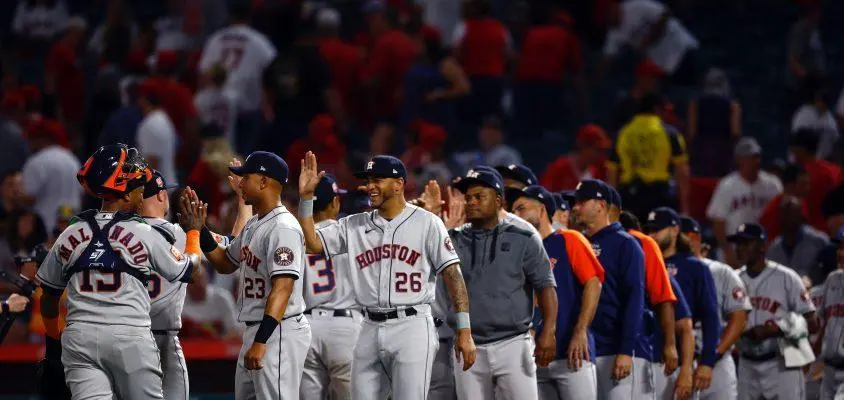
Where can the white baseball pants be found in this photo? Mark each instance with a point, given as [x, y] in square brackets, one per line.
[175, 382]
[638, 385]
[559, 382]
[505, 368]
[284, 360]
[770, 379]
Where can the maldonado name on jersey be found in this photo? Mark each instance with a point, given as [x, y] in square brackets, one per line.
[118, 233]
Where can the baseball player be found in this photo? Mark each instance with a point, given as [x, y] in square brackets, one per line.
[832, 335]
[167, 299]
[502, 280]
[775, 291]
[734, 307]
[660, 298]
[270, 255]
[515, 177]
[579, 276]
[396, 253]
[669, 382]
[697, 284]
[331, 308]
[560, 217]
[618, 319]
[104, 259]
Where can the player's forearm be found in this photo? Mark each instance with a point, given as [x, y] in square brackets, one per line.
[812, 323]
[50, 313]
[732, 332]
[220, 261]
[687, 342]
[665, 314]
[453, 279]
[280, 294]
[588, 304]
[312, 242]
[711, 322]
[244, 212]
[548, 305]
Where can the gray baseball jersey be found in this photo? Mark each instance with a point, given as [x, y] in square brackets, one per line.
[267, 247]
[775, 292]
[167, 298]
[396, 262]
[112, 298]
[327, 284]
[732, 294]
[832, 312]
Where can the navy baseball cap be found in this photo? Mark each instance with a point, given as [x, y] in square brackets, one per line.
[561, 202]
[590, 189]
[615, 197]
[568, 196]
[383, 166]
[519, 173]
[481, 176]
[748, 231]
[838, 239]
[325, 191]
[155, 184]
[660, 218]
[541, 195]
[689, 225]
[264, 163]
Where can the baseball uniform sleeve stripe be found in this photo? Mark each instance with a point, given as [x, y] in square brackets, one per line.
[231, 258]
[454, 260]
[582, 258]
[289, 272]
[324, 245]
[49, 284]
[186, 271]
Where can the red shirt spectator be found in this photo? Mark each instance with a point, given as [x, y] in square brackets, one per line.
[392, 55]
[344, 61]
[481, 46]
[322, 140]
[823, 175]
[65, 76]
[548, 52]
[585, 163]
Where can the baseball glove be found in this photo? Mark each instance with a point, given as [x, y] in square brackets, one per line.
[50, 374]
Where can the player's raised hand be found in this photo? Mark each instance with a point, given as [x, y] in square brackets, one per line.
[464, 348]
[456, 214]
[192, 212]
[234, 180]
[578, 349]
[309, 177]
[432, 199]
[253, 359]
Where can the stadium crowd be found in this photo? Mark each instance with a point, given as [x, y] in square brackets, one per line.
[445, 85]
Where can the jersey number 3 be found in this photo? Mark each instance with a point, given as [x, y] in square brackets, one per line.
[325, 269]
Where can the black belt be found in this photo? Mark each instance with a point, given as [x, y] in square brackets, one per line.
[759, 358]
[383, 316]
[336, 313]
[164, 331]
[837, 363]
[253, 323]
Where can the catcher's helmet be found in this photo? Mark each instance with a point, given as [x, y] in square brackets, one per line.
[113, 171]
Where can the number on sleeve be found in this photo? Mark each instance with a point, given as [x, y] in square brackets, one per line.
[325, 269]
[402, 279]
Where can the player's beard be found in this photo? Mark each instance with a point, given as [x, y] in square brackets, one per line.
[664, 243]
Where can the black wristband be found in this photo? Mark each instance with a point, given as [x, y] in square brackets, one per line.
[268, 325]
[5, 307]
[207, 243]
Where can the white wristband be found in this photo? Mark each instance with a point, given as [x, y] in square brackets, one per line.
[306, 208]
[462, 320]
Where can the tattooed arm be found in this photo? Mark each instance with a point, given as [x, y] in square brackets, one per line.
[464, 345]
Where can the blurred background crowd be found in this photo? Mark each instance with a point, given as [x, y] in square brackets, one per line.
[727, 110]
